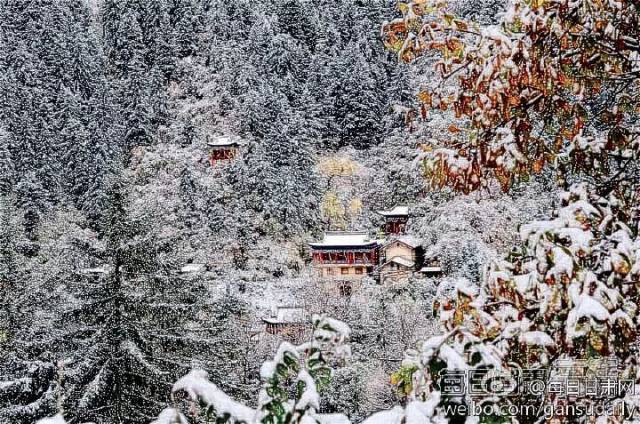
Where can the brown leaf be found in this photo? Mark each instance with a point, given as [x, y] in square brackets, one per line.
[461, 25]
[538, 165]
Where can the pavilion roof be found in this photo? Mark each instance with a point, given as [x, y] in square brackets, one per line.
[395, 211]
[408, 263]
[345, 239]
[405, 239]
[432, 268]
[222, 141]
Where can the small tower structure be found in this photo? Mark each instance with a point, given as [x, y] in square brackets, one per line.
[395, 220]
[222, 149]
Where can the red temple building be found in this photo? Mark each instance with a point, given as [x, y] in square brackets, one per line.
[222, 149]
[345, 257]
[395, 220]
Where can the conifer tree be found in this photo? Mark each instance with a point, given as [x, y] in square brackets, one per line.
[9, 272]
[7, 164]
[121, 326]
[54, 85]
[279, 180]
[294, 19]
[359, 100]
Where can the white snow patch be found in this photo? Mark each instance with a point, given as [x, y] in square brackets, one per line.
[392, 416]
[192, 268]
[333, 419]
[539, 338]
[170, 416]
[269, 367]
[52, 420]
[589, 307]
[198, 386]
[310, 397]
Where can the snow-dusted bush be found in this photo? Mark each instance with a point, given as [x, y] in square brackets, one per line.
[570, 293]
[290, 383]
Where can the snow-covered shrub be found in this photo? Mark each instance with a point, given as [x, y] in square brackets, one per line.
[569, 294]
[290, 383]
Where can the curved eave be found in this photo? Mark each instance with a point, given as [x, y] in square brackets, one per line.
[371, 245]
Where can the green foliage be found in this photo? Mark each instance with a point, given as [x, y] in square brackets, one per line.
[402, 379]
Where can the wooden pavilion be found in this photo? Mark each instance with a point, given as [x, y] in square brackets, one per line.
[395, 219]
[222, 149]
